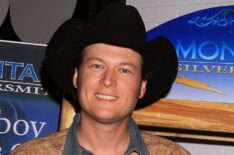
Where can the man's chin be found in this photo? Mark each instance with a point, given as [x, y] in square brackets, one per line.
[108, 120]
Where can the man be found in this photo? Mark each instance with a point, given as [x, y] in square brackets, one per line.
[109, 67]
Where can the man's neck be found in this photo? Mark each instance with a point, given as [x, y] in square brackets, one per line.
[103, 138]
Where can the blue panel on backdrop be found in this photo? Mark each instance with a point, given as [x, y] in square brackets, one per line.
[204, 42]
[26, 110]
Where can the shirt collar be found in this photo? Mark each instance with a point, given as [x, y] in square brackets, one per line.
[136, 144]
[72, 146]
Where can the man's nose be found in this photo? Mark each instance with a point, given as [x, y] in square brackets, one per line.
[108, 78]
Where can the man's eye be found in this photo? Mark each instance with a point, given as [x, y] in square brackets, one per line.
[96, 66]
[125, 71]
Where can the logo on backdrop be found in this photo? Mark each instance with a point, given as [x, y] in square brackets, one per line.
[26, 111]
[15, 125]
[223, 18]
[205, 49]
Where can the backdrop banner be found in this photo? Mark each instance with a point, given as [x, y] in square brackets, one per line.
[26, 110]
[204, 42]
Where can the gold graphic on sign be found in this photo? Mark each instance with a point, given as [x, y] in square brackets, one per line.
[196, 84]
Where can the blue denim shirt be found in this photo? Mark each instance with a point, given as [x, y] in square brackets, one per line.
[72, 146]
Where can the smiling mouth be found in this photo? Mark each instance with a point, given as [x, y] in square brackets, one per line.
[105, 97]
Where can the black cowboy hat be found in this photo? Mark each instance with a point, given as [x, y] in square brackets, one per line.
[120, 25]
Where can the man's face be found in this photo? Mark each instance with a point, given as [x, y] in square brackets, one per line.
[109, 82]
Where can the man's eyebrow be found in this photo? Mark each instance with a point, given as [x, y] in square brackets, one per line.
[121, 64]
[93, 58]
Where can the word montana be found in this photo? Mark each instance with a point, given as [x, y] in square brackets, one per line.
[20, 77]
[205, 51]
[17, 71]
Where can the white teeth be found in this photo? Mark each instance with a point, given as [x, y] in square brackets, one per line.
[106, 97]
